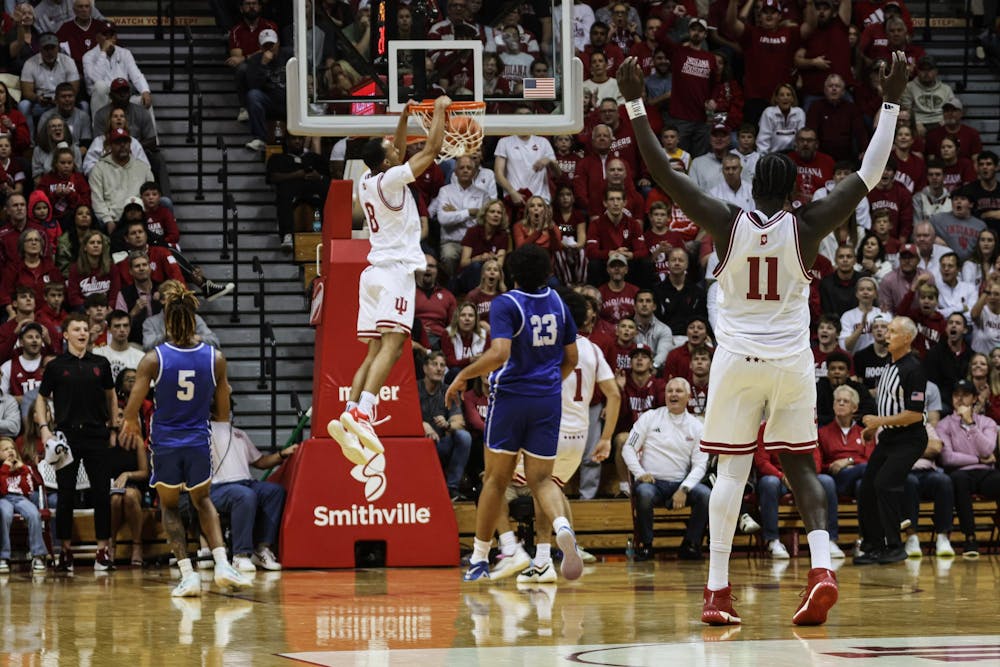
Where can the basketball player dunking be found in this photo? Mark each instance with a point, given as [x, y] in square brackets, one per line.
[189, 376]
[763, 365]
[387, 289]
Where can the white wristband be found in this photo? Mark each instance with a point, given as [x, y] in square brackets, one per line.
[635, 108]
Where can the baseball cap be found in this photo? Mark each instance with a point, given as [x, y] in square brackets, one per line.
[120, 134]
[48, 39]
[926, 62]
[771, 4]
[108, 28]
[617, 257]
[720, 127]
[699, 21]
[954, 103]
[641, 348]
[134, 201]
[963, 385]
[31, 326]
[909, 249]
[120, 84]
[267, 36]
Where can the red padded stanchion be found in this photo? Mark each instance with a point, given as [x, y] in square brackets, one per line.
[332, 504]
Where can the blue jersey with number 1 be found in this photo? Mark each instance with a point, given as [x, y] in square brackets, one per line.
[185, 388]
[538, 326]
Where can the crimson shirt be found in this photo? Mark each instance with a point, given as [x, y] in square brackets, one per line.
[830, 41]
[911, 172]
[899, 201]
[618, 305]
[771, 54]
[618, 356]
[813, 174]
[245, 38]
[637, 400]
[435, 310]
[969, 141]
[834, 444]
[162, 266]
[161, 221]
[603, 236]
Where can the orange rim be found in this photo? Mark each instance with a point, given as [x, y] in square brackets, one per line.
[428, 105]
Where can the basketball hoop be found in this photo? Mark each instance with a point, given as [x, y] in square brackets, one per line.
[463, 127]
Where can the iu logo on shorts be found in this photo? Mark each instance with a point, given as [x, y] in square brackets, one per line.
[401, 304]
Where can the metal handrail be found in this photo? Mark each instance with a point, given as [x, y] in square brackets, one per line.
[268, 333]
[194, 92]
[927, 20]
[192, 84]
[158, 33]
[169, 85]
[223, 178]
[258, 303]
[964, 83]
[234, 237]
[199, 194]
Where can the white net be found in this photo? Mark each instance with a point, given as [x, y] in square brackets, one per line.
[463, 129]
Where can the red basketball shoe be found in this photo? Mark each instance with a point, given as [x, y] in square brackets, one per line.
[718, 608]
[817, 598]
[360, 424]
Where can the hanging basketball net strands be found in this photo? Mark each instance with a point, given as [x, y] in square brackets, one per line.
[463, 128]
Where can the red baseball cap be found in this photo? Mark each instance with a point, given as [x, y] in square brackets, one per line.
[120, 134]
[120, 84]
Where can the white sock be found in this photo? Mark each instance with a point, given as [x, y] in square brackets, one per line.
[480, 551]
[560, 522]
[624, 488]
[508, 543]
[543, 554]
[350, 406]
[367, 403]
[819, 549]
[724, 513]
[219, 555]
[185, 567]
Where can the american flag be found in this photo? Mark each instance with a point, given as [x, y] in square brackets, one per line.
[539, 89]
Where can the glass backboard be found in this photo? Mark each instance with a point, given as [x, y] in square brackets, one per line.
[350, 77]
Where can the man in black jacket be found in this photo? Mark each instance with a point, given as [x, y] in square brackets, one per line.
[265, 87]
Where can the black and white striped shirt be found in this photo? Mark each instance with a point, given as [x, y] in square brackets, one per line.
[903, 386]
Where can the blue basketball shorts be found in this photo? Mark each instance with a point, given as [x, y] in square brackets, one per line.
[181, 467]
[528, 423]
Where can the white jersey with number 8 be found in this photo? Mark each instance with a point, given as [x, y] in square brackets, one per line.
[578, 387]
[763, 288]
[391, 215]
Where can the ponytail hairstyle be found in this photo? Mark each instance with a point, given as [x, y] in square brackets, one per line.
[179, 306]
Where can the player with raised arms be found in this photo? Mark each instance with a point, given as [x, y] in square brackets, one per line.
[763, 366]
[533, 349]
[387, 289]
[189, 376]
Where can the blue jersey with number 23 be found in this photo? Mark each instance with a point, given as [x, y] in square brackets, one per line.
[539, 327]
[185, 387]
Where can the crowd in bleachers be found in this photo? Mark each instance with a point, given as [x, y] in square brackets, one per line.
[726, 81]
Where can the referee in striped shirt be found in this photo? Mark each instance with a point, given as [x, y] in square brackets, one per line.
[902, 438]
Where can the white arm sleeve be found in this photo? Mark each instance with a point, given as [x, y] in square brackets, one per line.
[877, 154]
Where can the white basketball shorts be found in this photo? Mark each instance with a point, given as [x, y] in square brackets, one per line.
[386, 301]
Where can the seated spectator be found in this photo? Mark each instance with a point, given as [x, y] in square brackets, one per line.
[659, 82]
[522, 165]
[40, 76]
[923, 93]
[746, 150]
[92, 273]
[838, 369]
[855, 324]
[51, 315]
[838, 122]
[96, 309]
[465, 340]
[870, 362]
[815, 169]
[930, 251]
[986, 317]
[22, 38]
[491, 285]
[663, 456]
[120, 351]
[116, 178]
[678, 298]
[107, 65]
[23, 371]
[599, 31]
[65, 187]
[726, 103]
[435, 305]
[18, 483]
[140, 124]
[299, 177]
[706, 170]
[843, 451]
[590, 181]
[160, 220]
[733, 189]
[958, 228]
[15, 173]
[617, 295]
[968, 455]
[68, 245]
[678, 362]
[701, 366]
[129, 469]
[935, 197]
[780, 122]
[20, 311]
[911, 170]
[772, 485]
[254, 507]
[139, 299]
[650, 330]
[101, 145]
[979, 376]
[892, 195]
[570, 263]
[154, 329]
[827, 342]
[948, 361]
[660, 239]
[838, 290]
[162, 261]
[244, 41]
[956, 170]
[13, 124]
[265, 79]
[40, 215]
[17, 221]
[954, 295]
[51, 14]
[881, 228]
[537, 226]
[618, 351]
[921, 305]
[80, 123]
[456, 208]
[983, 192]
[670, 140]
[443, 423]
[53, 135]
[872, 259]
[32, 268]
[982, 260]
[568, 158]
[927, 482]
[965, 137]
[618, 176]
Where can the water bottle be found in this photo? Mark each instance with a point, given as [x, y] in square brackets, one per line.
[279, 131]
[629, 549]
[317, 221]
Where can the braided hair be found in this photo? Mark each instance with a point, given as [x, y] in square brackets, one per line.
[774, 177]
[179, 306]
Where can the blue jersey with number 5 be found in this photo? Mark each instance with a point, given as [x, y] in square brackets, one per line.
[185, 388]
[538, 326]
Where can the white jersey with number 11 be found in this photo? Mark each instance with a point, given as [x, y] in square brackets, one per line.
[391, 215]
[763, 288]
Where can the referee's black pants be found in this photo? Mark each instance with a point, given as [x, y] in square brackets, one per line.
[881, 498]
[93, 451]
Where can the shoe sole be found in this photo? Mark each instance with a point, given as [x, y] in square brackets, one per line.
[349, 445]
[225, 582]
[572, 564]
[717, 617]
[504, 571]
[228, 289]
[816, 607]
[971, 556]
[548, 578]
[945, 554]
[366, 437]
